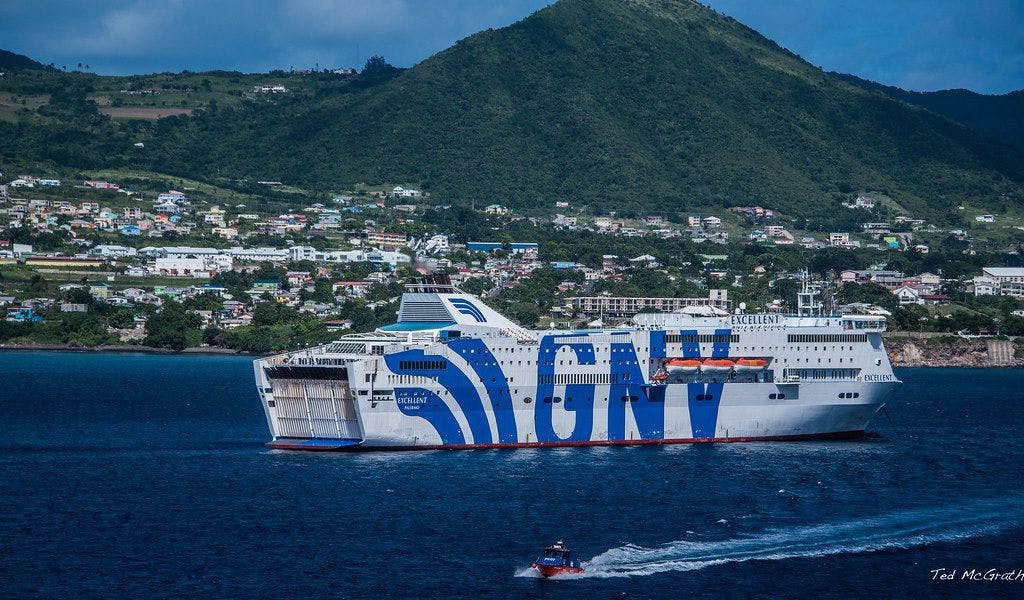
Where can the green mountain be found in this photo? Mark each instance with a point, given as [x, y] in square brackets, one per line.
[999, 116]
[631, 105]
[11, 61]
[628, 104]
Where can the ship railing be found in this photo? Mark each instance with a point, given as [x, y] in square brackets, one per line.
[520, 336]
[278, 359]
[421, 336]
[293, 358]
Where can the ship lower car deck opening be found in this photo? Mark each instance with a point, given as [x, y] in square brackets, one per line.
[315, 408]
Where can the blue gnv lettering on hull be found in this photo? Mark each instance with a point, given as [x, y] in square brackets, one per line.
[482, 361]
[629, 389]
[582, 395]
[703, 399]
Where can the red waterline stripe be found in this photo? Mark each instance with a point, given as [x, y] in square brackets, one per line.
[840, 435]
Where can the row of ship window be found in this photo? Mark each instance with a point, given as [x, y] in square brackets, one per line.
[698, 397]
[702, 338]
[821, 373]
[558, 399]
[422, 365]
[561, 348]
[795, 338]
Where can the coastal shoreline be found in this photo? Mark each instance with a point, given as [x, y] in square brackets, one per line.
[121, 349]
[904, 352]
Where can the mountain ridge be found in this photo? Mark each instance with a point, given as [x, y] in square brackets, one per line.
[643, 106]
[654, 113]
[998, 116]
[12, 61]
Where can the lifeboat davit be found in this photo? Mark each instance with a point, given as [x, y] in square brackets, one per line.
[556, 560]
[682, 366]
[749, 365]
[714, 366]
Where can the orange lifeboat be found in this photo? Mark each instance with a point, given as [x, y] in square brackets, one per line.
[682, 366]
[749, 365]
[716, 366]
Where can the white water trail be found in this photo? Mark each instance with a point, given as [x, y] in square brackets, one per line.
[905, 529]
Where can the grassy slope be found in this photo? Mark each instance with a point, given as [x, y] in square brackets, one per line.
[636, 105]
[644, 105]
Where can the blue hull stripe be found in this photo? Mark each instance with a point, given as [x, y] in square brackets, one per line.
[457, 384]
[418, 402]
[486, 367]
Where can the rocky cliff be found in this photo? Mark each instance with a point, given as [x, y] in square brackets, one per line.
[951, 351]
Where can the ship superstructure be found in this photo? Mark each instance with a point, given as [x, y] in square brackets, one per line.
[454, 373]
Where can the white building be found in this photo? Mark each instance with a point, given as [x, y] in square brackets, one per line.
[436, 244]
[908, 295]
[839, 239]
[259, 254]
[618, 306]
[113, 251]
[194, 266]
[404, 192]
[1004, 274]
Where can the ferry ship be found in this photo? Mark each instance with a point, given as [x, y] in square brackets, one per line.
[452, 373]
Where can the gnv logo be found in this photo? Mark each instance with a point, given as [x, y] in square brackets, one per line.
[468, 308]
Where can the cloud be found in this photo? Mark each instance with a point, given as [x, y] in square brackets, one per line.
[332, 19]
[915, 44]
[134, 30]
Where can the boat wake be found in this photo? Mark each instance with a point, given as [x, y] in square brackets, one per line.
[905, 529]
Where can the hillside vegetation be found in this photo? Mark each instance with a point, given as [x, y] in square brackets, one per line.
[638, 106]
[999, 116]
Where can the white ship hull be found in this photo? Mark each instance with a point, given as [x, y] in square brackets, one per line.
[742, 415]
[477, 381]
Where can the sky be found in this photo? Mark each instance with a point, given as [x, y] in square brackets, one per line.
[914, 44]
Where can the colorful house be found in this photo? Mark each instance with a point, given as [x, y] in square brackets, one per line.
[22, 314]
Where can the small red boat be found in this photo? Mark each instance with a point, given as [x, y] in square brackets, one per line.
[556, 561]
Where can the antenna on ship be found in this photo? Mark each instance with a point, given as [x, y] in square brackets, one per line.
[807, 300]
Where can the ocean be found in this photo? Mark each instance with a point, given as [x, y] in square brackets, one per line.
[127, 476]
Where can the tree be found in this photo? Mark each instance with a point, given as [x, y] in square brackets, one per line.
[122, 319]
[377, 66]
[204, 301]
[213, 336]
[272, 313]
[525, 313]
[869, 293]
[323, 291]
[173, 327]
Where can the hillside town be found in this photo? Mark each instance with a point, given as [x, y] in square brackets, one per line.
[258, 279]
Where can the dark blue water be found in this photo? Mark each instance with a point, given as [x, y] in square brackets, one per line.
[146, 476]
